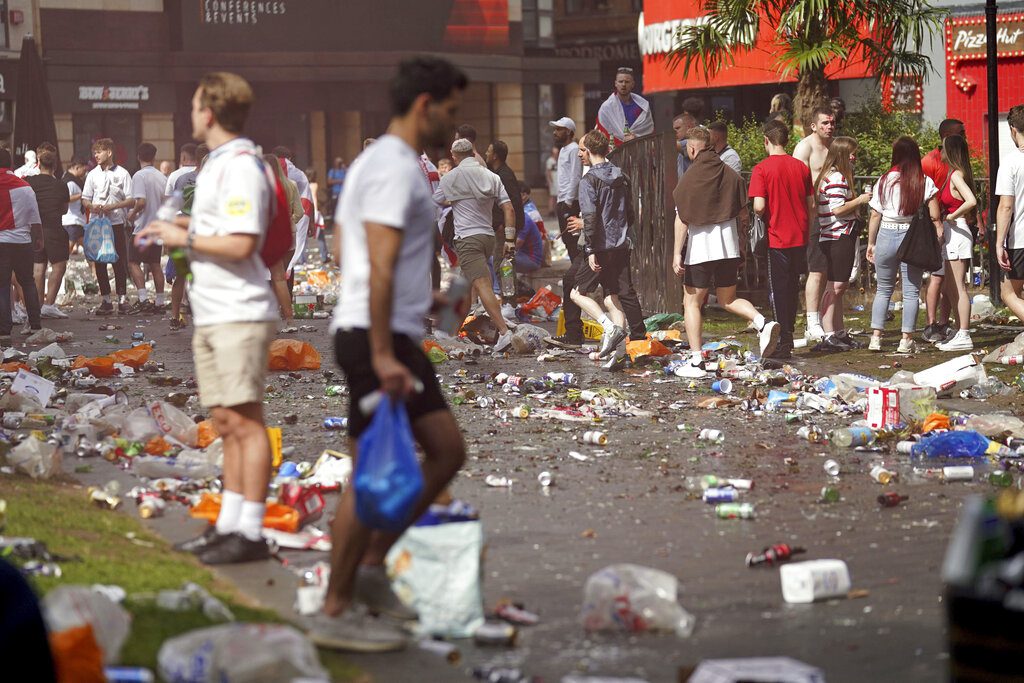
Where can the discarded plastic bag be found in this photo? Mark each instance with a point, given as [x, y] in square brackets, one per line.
[981, 308]
[479, 329]
[280, 517]
[77, 657]
[51, 351]
[436, 570]
[42, 336]
[996, 424]
[958, 444]
[662, 321]
[134, 357]
[543, 299]
[528, 338]
[161, 419]
[206, 433]
[387, 478]
[935, 421]
[239, 653]
[748, 669]
[952, 376]
[293, 354]
[102, 366]
[68, 607]
[628, 597]
[1014, 348]
[646, 348]
[38, 459]
[434, 351]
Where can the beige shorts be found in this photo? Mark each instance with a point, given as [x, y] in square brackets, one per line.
[473, 252]
[231, 362]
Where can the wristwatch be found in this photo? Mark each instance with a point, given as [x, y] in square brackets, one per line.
[189, 241]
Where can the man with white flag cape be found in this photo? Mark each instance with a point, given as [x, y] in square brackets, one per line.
[625, 115]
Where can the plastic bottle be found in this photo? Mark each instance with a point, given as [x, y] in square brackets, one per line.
[507, 275]
[891, 499]
[829, 494]
[773, 554]
[1001, 478]
[595, 438]
[712, 435]
[849, 437]
[881, 475]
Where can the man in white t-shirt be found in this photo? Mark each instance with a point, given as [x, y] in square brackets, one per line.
[711, 205]
[108, 192]
[233, 308]
[1010, 216]
[186, 164]
[74, 220]
[148, 185]
[385, 235]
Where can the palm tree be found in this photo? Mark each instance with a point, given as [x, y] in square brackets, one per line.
[884, 35]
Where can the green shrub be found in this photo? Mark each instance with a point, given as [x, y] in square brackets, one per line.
[874, 130]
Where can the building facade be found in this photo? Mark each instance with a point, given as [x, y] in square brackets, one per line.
[127, 69]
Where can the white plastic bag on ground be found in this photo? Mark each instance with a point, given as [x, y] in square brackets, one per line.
[42, 336]
[436, 570]
[628, 597]
[239, 653]
[952, 376]
[981, 307]
[51, 351]
[38, 459]
[528, 338]
[72, 606]
[161, 419]
[754, 669]
[1014, 348]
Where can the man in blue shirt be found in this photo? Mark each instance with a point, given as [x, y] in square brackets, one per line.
[335, 181]
[529, 242]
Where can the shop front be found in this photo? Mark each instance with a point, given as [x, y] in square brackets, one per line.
[966, 74]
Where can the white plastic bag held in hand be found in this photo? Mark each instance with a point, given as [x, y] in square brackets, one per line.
[628, 597]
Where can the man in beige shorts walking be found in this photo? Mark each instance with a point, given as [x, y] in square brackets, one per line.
[473, 190]
[234, 310]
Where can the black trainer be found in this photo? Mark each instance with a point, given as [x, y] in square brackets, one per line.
[203, 541]
[845, 337]
[830, 344]
[933, 333]
[564, 342]
[235, 549]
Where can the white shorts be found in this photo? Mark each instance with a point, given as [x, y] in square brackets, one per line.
[957, 240]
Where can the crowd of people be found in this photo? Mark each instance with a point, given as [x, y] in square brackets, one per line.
[243, 218]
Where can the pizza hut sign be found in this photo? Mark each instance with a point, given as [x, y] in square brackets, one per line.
[966, 40]
[114, 96]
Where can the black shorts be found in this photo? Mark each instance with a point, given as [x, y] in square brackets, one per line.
[149, 254]
[55, 247]
[723, 273]
[1016, 271]
[816, 261]
[614, 277]
[352, 351]
[839, 257]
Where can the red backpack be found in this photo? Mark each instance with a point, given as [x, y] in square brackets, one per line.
[279, 239]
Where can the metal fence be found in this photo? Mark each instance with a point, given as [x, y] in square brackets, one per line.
[650, 163]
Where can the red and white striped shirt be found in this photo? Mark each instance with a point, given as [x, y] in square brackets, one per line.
[18, 209]
[833, 193]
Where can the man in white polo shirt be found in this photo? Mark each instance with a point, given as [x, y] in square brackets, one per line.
[234, 311]
[1010, 216]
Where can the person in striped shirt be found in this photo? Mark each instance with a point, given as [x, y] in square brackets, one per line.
[837, 219]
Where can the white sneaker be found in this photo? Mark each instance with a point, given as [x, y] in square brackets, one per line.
[51, 311]
[814, 333]
[769, 337]
[503, 342]
[690, 371]
[961, 341]
[508, 311]
[906, 346]
[875, 343]
[18, 313]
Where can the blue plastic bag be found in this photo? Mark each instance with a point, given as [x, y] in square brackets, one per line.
[98, 242]
[387, 477]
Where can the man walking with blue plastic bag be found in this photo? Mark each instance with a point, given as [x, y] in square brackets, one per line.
[386, 225]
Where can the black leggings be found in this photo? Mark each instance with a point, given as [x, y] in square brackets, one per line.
[784, 269]
[120, 265]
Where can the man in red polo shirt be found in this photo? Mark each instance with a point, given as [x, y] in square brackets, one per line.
[936, 303]
[780, 187]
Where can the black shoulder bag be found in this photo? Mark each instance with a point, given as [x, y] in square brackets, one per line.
[920, 247]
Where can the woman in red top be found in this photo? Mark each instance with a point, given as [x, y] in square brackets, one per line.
[958, 202]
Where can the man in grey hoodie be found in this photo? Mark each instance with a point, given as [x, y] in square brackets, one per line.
[606, 203]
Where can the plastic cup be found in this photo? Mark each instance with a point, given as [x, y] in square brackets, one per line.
[722, 386]
[832, 468]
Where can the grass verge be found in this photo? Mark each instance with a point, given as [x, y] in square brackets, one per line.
[116, 549]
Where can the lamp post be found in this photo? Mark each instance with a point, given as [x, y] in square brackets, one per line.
[993, 145]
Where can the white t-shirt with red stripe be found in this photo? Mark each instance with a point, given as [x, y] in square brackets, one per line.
[833, 192]
[18, 209]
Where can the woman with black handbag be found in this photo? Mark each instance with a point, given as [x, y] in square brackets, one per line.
[904, 234]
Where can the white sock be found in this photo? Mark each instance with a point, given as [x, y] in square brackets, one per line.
[759, 322]
[813, 319]
[230, 509]
[159, 298]
[143, 294]
[606, 322]
[250, 522]
[106, 299]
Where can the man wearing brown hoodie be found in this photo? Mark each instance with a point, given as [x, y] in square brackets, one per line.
[711, 207]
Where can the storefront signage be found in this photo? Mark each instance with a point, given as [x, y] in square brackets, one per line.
[661, 22]
[605, 52]
[905, 94]
[113, 96]
[967, 40]
[249, 12]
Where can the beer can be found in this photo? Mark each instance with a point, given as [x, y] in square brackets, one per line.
[714, 496]
[734, 511]
[958, 473]
[595, 438]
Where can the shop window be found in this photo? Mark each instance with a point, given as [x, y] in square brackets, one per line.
[124, 128]
[538, 23]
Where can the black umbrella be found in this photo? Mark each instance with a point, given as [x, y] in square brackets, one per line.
[33, 113]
